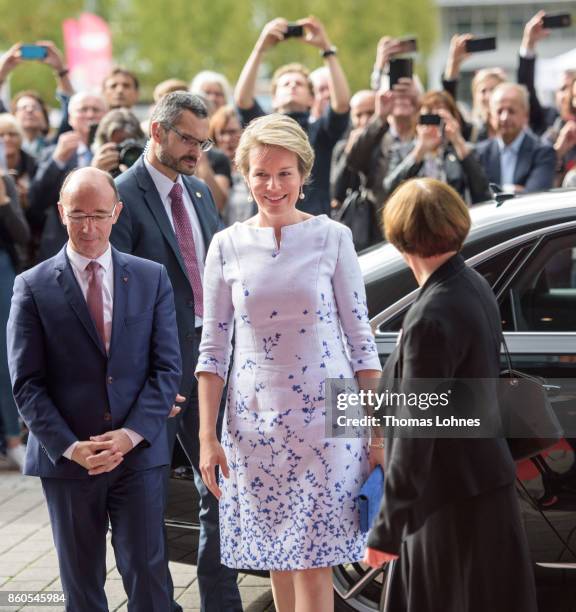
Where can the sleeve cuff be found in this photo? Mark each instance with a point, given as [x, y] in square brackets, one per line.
[70, 450]
[135, 438]
[526, 53]
[212, 365]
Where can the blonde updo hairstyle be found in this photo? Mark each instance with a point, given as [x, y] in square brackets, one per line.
[275, 130]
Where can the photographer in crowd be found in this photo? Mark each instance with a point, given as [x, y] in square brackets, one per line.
[441, 152]
[119, 141]
[293, 95]
[27, 106]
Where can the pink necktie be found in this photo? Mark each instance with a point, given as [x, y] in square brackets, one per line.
[95, 298]
[183, 230]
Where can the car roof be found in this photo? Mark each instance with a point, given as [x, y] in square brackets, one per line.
[492, 224]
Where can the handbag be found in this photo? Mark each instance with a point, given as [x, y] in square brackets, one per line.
[532, 425]
[357, 212]
[370, 497]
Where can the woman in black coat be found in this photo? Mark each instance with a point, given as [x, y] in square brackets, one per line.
[449, 510]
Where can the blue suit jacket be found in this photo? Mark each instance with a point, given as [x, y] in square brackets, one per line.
[535, 166]
[64, 382]
[144, 229]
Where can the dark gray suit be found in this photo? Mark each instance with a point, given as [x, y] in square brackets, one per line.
[449, 508]
[144, 229]
[534, 169]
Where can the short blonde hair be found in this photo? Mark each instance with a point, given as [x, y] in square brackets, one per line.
[426, 217]
[279, 131]
[487, 73]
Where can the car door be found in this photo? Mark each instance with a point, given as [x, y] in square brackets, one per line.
[538, 305]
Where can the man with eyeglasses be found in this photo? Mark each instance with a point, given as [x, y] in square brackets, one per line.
[95, 367]
[71, 151]
[170, 217]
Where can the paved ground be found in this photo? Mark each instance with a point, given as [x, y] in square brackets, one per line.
[28, 559]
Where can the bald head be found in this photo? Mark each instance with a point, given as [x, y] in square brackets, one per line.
[89, 207]
[362, 107]
[86, 179]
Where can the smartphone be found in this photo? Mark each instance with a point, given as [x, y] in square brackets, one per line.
[430, 119]
[33, 52]
[556, 20]
[294, 31]
[481, 43]
[400, 67]
[409, 45]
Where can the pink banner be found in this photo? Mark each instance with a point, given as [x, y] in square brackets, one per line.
[88, 49]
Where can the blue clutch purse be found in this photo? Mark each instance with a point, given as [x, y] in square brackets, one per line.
[370, 497]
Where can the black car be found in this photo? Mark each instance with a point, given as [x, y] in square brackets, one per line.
[526, 248]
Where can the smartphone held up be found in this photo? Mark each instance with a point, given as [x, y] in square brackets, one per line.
[33, 52]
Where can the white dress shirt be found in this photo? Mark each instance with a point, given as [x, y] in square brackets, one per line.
[79, 263]
[164, 185]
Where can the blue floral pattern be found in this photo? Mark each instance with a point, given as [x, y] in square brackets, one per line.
[298, 318]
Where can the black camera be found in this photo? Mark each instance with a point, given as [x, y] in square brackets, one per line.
[129, 151]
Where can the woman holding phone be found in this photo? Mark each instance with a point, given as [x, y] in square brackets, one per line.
[440, 151]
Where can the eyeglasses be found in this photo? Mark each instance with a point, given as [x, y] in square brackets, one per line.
[190, 141]
[78, 218]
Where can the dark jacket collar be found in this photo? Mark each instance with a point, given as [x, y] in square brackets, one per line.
[448, 269]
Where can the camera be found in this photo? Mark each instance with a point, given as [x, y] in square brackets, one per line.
[430, 119]
[129, 151]
[294, 31]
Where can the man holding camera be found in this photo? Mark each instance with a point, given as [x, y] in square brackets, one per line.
[293, 94]
[71, 151]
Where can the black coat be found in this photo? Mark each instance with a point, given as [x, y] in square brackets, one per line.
[452, 332]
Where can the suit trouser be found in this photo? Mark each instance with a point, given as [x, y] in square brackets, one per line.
[80, 511]
[216, 582]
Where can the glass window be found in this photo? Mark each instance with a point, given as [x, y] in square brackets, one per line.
[544, 296]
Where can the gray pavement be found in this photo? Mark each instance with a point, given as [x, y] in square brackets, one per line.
[28, 559]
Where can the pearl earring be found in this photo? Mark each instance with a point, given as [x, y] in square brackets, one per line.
[249, 197]
[301, 196]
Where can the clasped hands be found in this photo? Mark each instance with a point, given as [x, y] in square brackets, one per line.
[106, 452]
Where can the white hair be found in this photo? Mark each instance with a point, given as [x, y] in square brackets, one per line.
[209, 76]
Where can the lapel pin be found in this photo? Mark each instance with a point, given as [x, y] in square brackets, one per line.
[198, 194]
[125, 279]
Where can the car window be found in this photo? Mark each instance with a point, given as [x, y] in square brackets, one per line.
[543, 296]
[492, 269]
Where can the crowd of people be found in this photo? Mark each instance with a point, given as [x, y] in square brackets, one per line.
[209, 157]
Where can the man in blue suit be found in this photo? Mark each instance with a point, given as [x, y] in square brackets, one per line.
[95, 367]
[169, 216]
[515, 159]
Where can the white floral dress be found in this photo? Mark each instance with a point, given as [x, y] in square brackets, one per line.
[299, 316]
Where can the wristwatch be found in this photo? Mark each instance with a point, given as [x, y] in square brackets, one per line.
[328, 52]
